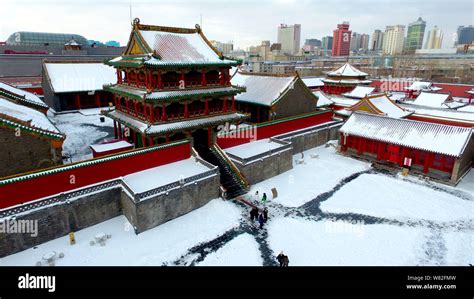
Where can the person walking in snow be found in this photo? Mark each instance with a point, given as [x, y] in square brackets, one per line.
[265, 215]
[253, 214]
[280, 258]
[264, 198]
[261, 220]
[257, 197]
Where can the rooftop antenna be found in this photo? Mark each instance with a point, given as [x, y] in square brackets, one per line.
[200, 24]
[131, 13]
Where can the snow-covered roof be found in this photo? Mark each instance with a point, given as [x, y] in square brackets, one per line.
[313, 82]
[382, 105]
[70, 77]
[25, 95]
[347, 81]
[250, 149]
[359, 92]
[347, 70]
[182, 47]
[422, 86]
[433, 137]
[33, 118]
[105, 147]
[323, 99]
[430, 99]
[343, 101]
[468, 108]
[450, 114]
[470, 91]
[174, 126]
[263, 90]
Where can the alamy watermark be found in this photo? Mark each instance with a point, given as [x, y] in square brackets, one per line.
[338, 226]
[13, 226]
[231, 131]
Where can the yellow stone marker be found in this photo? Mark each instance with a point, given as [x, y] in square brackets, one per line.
[72, 239]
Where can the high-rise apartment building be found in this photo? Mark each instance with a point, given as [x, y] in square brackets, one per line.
[435, 39]
[290, 38]
[341, 40]
[377, 40]
[393, 40]
[415, 35]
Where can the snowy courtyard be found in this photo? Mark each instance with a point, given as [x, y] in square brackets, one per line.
[82, 129]
[330, 210]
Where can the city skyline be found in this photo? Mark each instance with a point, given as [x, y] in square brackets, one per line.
[222, 21]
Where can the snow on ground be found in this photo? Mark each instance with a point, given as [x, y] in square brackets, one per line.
[317, 175]
[460, 248]
[241, 251]
[383, 196]
[82, 129]
[467, 183]
[162, 244]
[328, 243]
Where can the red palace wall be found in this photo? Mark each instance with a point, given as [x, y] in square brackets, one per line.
[396, 153]
[84, 174]
[275, 127]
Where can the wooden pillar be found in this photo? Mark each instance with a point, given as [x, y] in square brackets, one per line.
[224, 105]
[115, 129]
[164, 116]
[150, 140]
[206, 106]
[152, 114]
[233, 103]
[167, 137]
[160, 82]
[186, 110]
[427, 163]
[203, 78]
[127, 105]
[78, 101]
[147, 82]
[97, 99]
[135, 107]
[143, 140]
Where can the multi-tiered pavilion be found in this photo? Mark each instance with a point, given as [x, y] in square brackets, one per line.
[171, 84]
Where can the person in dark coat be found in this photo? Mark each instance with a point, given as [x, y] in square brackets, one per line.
[286, 261]
[265, 215]
[254, 213]
[280, 258]
[261, 220]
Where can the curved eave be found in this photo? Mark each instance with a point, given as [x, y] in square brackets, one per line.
[235, 90]
[184, 64]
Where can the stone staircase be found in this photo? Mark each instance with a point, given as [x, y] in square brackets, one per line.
[231, 179]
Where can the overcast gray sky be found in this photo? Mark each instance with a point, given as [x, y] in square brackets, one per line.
[245, 22]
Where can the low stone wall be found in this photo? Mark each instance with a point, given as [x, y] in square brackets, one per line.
[265, 165]
[59, 215]
[309, 138]
[151, 212]
[60, 219]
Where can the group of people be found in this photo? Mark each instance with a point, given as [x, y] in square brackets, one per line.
[264, 197]
[260, 216]
[283, 259]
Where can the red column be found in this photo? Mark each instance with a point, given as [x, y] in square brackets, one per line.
[78, 101]
[115, 129]
[167, 137]
[203, 78]
[233, 103]
[152, 114]
[147, 82]
[135, 107]
[126, 105]
[97, 99]
[206, 106]
[224, 108]
[186, 110]
[164, 116]
[427, 162]
[134, 136]
[150, 140]
[143, 140]
[182, 78]
[160, 83]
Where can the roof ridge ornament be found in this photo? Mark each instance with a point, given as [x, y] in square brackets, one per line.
[136, 22]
